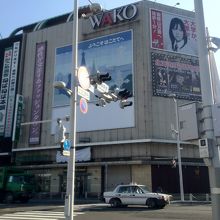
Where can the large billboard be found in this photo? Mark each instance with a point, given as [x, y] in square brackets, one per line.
[173, 32]
[113, 54]
[178, 75]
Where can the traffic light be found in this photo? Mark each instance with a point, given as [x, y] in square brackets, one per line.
[108, 98]
[60, 134]
[173, 163]
[123, 94]
[101, 102]
[113, 96]
[99, 78]
[125, 103]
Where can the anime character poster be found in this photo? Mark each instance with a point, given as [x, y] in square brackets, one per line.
[112, 54]
[178, 75]
[173, 32]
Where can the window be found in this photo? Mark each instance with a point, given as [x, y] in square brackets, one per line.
[124, 189]
[136, 189]
[15, 179]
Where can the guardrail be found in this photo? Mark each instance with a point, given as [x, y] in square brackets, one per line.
[195, 197]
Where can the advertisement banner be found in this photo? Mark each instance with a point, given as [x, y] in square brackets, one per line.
[173, 32]
[12, 90]
[18, 117]
[4, 88]
[111, 54]
[37, 97]
[173, 74]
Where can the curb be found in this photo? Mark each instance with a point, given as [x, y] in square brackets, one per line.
[190, 202]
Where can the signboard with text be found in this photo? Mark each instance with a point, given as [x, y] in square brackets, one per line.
[111, 54]
[173, 32]
[175, 74]
[38, 88]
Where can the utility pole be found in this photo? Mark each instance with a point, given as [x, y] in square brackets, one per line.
[69, 200]
[213, 162]
[179, 151]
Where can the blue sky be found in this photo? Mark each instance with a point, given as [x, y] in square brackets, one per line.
[17, 13]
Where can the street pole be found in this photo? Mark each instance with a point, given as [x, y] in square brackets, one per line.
[213, 163]
[179, 151]
[69, 201]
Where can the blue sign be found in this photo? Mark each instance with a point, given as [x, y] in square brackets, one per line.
[66, 148]
[66, 144]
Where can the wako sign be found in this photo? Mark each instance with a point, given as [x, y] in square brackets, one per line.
[115, 16]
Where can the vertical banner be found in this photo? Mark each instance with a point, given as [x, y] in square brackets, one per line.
[156, 29]
[12, 90]
[37, 96]
[4, 88]
[17, 118]
[173, 32]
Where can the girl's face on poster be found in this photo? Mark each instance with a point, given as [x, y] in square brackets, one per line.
[177, 33]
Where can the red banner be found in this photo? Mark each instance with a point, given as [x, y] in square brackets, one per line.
[156, 29]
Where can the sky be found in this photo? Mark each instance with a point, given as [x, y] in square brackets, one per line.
[18, 13]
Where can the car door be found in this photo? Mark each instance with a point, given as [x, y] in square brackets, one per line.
[137, 196]
[124, 193]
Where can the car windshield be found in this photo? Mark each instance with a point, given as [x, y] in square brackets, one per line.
[144, 188]
[29, 179]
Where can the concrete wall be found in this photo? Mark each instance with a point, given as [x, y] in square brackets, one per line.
[141, 174]
[94, 180]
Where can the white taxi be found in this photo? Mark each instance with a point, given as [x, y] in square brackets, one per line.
[134, 194]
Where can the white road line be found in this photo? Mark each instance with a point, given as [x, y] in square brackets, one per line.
[26, 218]
[36, 215]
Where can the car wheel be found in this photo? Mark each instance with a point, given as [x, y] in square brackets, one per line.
[152, 203]
[9, 198]
[115, 203]
[162, 206]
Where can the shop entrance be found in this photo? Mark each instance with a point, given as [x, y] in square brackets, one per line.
[81, 185]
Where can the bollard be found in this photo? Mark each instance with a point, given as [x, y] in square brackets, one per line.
[190, 197]
[207, 197]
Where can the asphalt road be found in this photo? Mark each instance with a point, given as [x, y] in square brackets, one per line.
[104, 212]
[171, 212]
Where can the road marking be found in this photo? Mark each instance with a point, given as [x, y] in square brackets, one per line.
[36, 215]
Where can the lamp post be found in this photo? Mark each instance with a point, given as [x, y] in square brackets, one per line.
[178, 147]
[213, 162]
[69, 201]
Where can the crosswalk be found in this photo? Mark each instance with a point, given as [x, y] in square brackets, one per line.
[36, 215]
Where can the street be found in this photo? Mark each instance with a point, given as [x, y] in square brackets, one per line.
[103, 211]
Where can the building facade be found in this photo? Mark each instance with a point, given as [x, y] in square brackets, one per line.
[135, 44]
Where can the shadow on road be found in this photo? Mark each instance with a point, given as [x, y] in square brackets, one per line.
[107, 208]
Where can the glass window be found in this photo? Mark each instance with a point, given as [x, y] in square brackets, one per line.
[124, 189]
[136, 189]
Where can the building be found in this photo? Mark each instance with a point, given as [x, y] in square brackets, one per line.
[135, 144]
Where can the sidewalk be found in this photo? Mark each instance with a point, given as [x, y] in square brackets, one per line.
[188, 202]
